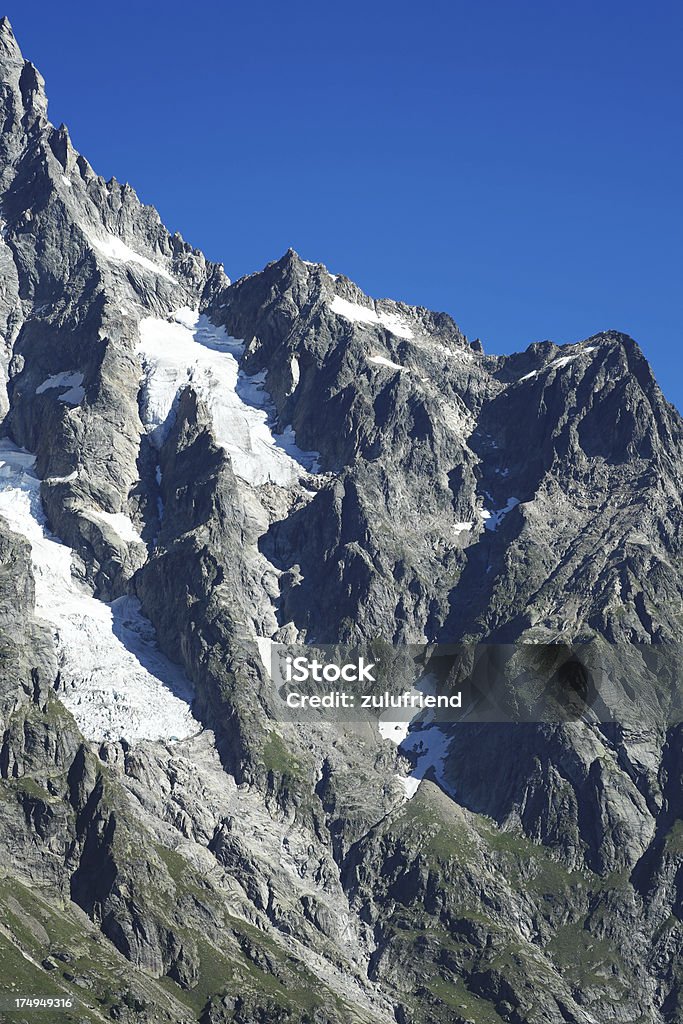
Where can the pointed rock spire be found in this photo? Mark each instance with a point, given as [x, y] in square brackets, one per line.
[290, 261]
[32, 86]
[60, 144]
[9, 47]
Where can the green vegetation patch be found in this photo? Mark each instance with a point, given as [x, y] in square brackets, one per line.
[278, 759]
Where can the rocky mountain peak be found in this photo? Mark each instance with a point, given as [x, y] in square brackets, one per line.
[9, 48]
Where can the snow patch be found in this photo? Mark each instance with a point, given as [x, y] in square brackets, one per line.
[559, 362]
[462, 527]
[394, 723]
[563, 360]
[115, 680]
[295, 371]
[414, 732]
[74, 396]
[71, 380]
[430, 743]
[66, 181]
[119, 522]
[62, 479]
[383, 361]
[494, 517]
[265, 650]
[114, 249]
[190, 350]
[361, 314]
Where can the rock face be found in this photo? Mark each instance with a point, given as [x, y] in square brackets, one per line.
[284, 459]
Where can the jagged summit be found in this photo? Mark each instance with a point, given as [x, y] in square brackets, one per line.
[394, 399]
[11, 59]
[8, 42]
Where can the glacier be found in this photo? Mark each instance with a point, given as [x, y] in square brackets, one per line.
[113, 678]
[189, 350]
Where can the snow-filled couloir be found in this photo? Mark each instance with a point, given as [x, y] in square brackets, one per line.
[114, 679]
[189, 350]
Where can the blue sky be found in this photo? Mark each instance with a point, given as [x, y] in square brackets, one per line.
[518, 165]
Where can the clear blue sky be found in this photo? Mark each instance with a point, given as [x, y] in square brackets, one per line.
[517, 164]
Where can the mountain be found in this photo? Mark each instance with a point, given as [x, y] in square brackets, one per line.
[196, 471]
